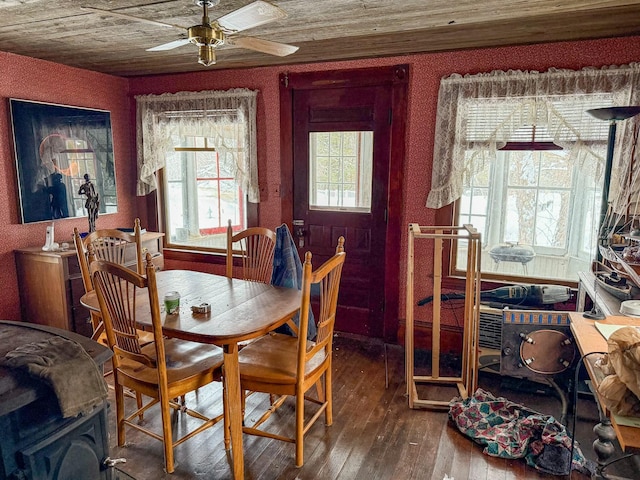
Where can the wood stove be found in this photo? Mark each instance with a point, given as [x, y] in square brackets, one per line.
[37, 443]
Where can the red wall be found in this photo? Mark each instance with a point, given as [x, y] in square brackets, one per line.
[31, 79]
[426, 71]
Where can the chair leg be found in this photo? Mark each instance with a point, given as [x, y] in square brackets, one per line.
[225, 422]
[167, 435]
[320, 389]
[328, 389]
[120, 413]
[139, 404]
[299, 429]
[128, 393]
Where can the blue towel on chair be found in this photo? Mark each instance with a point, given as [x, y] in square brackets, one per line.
[287, 272]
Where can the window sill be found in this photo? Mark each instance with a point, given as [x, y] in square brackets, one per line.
[195, 256]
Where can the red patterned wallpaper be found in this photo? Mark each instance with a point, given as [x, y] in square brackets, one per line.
[426, 71]
[44, 81]
[29, 79]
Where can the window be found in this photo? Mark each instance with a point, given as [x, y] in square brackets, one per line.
[520, 158]
[201, 194]
[534, 203]
[536, 213]
[340, 171]
[202, 145]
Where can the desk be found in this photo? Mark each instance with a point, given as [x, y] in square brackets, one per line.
[588, 340]
[240, 310]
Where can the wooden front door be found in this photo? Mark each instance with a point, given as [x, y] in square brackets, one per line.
[342, 140]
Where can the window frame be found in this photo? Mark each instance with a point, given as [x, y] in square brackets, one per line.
[363, 177]
[572, 248]
[611, 83]
[192, 252]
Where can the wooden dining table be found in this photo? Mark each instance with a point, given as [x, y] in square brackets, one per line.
[240, 310]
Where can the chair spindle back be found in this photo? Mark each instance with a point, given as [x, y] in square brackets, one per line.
[255, 246]
[116, 288]
[327, 276]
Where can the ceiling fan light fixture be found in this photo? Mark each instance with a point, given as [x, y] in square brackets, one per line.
[209, 35]
[201, 35]
[206, 55]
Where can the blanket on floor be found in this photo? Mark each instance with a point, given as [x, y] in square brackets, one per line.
[509, 430]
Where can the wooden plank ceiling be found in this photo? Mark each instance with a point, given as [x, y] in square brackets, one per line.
[61, 31]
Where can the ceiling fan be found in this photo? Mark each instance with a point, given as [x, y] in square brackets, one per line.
[209, 35]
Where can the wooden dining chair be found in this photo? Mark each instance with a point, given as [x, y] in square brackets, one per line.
[255, 247]
[83, 262]
[280, 364]
[110, 245]
[163, 370]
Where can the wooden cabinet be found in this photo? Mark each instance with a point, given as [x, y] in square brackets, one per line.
[50, 284]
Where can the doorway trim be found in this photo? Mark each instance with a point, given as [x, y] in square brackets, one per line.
[397, 77]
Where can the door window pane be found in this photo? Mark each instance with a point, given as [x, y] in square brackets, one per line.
[340, 171]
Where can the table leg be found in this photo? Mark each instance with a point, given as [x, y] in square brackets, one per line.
[232, 385]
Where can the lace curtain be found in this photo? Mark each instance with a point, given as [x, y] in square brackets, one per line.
[515, 99]
[163, 119]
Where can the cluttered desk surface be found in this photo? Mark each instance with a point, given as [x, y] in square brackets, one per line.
[590, 337]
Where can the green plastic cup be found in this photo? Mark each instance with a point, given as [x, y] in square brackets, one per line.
[172, 303]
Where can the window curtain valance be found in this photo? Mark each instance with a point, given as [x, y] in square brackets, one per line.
[514, 99]
[163, 119]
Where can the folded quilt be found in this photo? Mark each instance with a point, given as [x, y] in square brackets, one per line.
[65, 366]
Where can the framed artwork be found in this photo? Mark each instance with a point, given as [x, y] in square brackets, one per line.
[59, 149]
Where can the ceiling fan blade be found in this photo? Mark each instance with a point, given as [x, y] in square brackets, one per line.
[264, 46]
[169, 45]
[131, 17]
[249, 16]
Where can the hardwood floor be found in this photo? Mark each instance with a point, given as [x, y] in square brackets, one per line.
[375, 436]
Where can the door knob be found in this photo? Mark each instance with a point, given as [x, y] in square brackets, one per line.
[299, 232]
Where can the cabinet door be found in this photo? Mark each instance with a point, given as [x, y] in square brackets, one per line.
[43, 290]
[80, 316]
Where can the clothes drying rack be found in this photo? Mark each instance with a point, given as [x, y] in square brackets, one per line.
[466, 382]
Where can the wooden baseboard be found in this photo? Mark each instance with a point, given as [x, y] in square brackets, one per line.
[450, 337]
